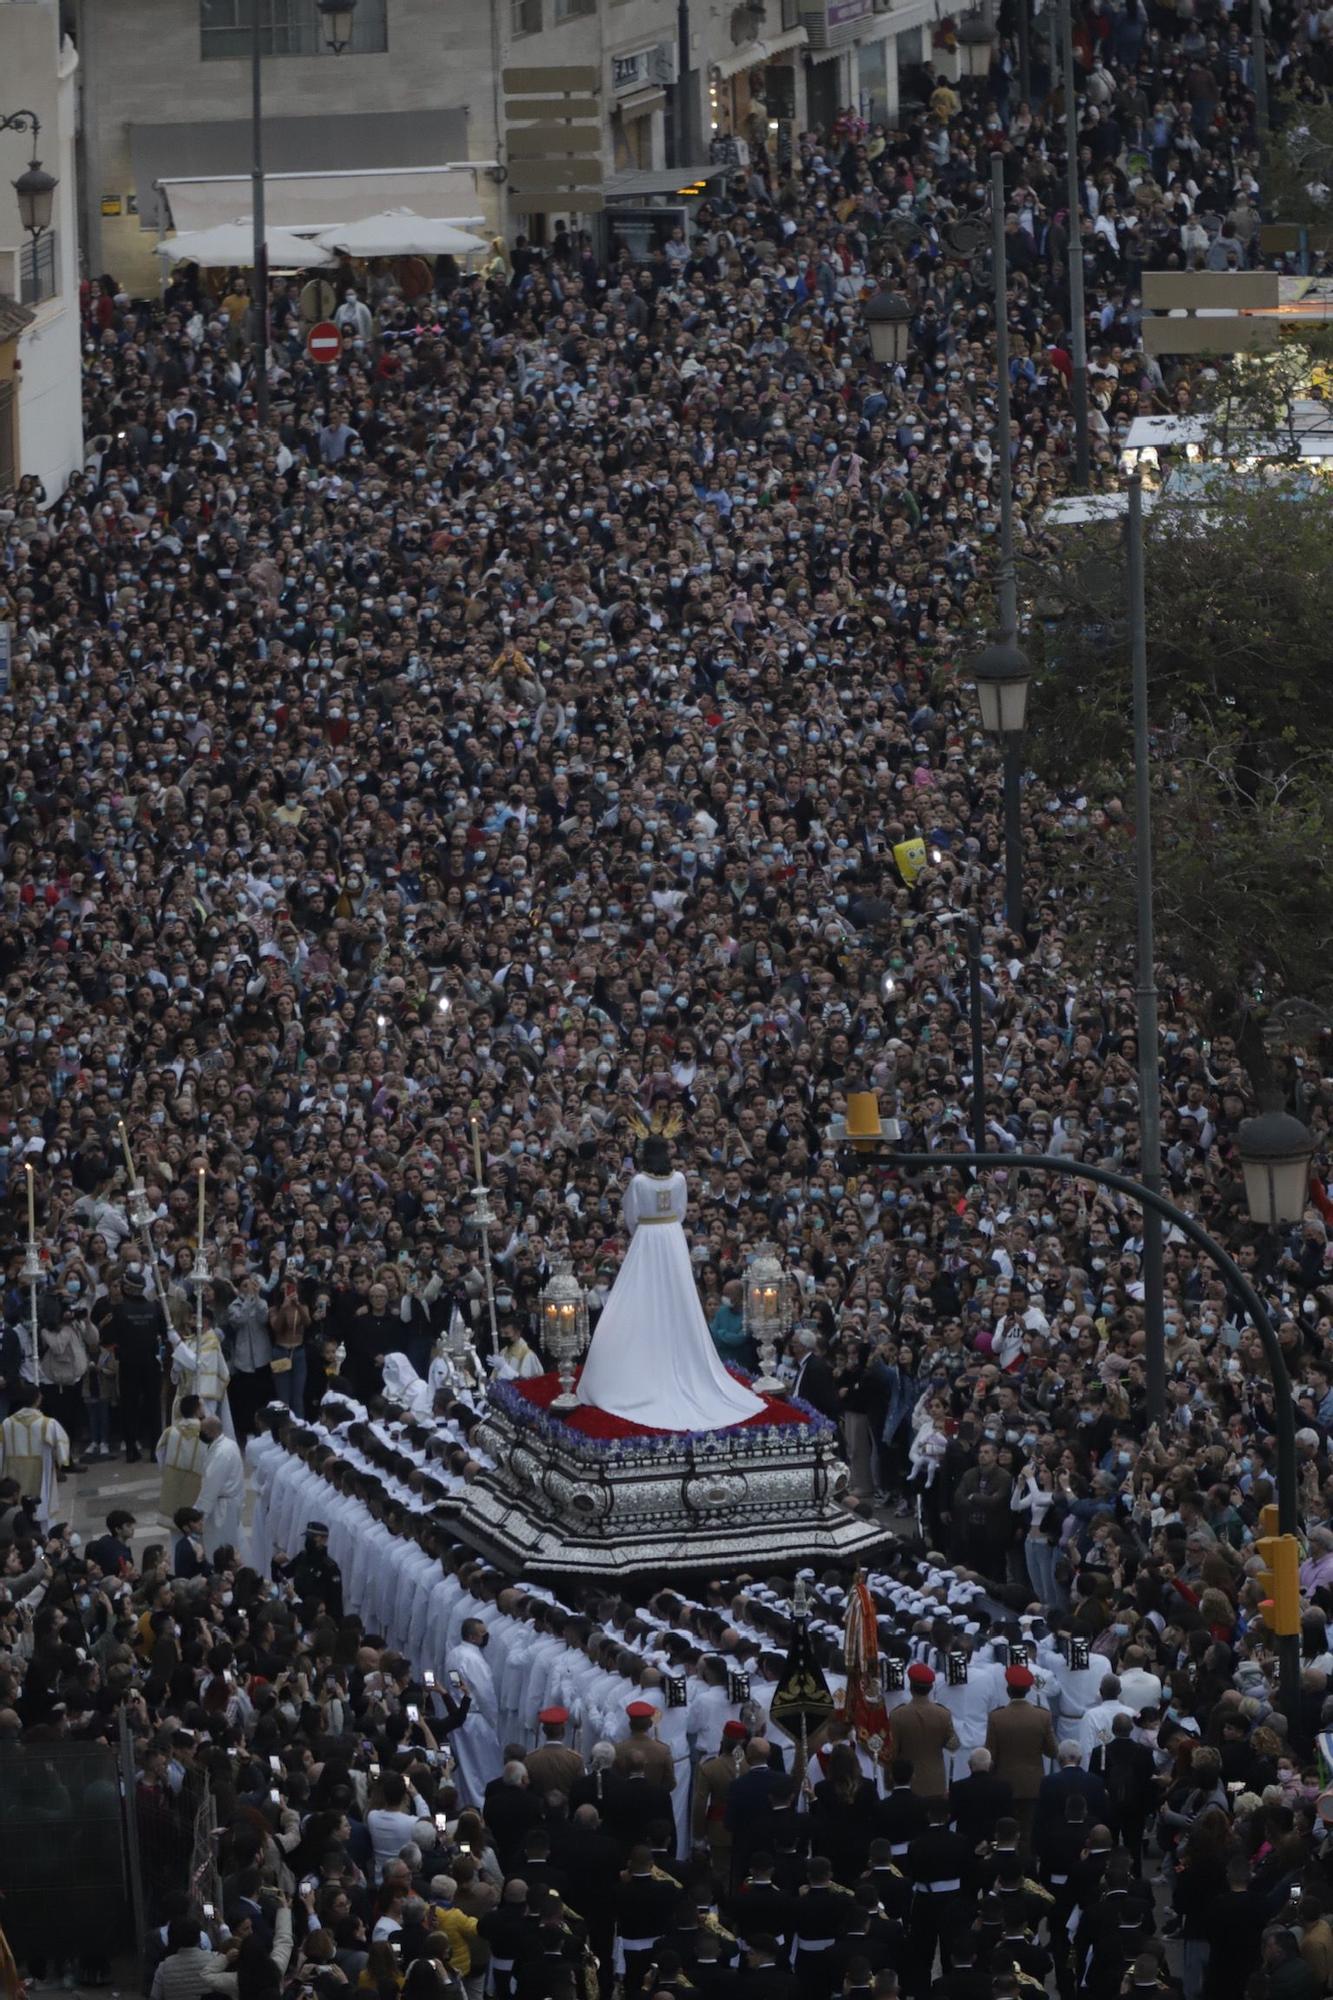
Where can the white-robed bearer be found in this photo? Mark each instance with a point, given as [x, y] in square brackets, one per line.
[181, 1453]
[34, 1450]
[222, 1489]
[476, 1743]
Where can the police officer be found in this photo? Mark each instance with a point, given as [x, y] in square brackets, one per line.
[315, 1576]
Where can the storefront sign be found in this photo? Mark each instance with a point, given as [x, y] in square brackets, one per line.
[841, 13]
[643, 69]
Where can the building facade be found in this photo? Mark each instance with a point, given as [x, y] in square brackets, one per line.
[41, 429]
[416, 112]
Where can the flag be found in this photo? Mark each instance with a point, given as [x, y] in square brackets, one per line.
[863, 1702]
[801, 1700]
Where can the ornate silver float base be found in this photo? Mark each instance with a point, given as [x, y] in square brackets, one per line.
[557, 1503]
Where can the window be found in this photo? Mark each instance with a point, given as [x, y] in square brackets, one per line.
[571, 10]
[286, 28]
[39, 270]
[525, 17]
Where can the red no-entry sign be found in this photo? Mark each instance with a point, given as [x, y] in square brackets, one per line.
[324, 342]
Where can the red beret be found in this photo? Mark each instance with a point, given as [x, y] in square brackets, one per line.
[921, 1676]
[734, 1732]
[554, 1714]
[1018, 1678]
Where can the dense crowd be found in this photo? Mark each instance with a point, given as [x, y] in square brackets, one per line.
[521, 731]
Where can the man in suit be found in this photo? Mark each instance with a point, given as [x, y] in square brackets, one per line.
[815, 1383]
[591, 1861]
[921, 1732]
[632, 1802]
[1020, 1738]
[511, 1806]
[1128, 1771]
[977, 1801]
[553, 1766]
[658, 1761]
[1060, 1786]
[748, 1801]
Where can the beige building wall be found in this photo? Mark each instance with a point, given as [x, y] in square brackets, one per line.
[142, 65]
[39, 71]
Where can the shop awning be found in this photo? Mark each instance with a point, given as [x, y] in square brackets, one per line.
[233, 243]
[755, 53]
[637, 182]
[399, 233]
[638, 103]
[211, 149]
[318, 201]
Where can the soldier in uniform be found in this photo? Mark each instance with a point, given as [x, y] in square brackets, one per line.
[823, 1911]
[900, 1815]
[658, 1763]
[922, 1732]
[553, 1766]
[1020, 1738]
[940, 1866]
[712, 1781]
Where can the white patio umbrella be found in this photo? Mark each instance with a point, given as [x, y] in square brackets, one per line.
[399, 233]
[234, 243]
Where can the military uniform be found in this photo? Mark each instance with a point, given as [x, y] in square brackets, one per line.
[940, 1867]
[553, 1767]
[712, 1782]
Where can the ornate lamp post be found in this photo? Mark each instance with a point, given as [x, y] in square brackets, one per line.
[1275, 1154]
[768, 1311]
[35, 188]
[888, 319]
[564, 1324]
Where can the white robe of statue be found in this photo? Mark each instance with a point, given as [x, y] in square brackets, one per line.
[652, 1358]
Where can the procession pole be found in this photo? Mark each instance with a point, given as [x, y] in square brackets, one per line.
[484, 1218]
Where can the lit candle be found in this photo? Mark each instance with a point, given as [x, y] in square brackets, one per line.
[476, 1148]
[129, 1157]
[201, 1204]
[32, 1203]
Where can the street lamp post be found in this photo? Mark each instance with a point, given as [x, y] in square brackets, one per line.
[35, 188]
[1150, 1090]
[1275, 1158]
[999, 259]
[1078, 325]
[1002, 675]
[975, 1029]
[336, 21]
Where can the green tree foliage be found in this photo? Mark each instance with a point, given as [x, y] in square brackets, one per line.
[1239, 594]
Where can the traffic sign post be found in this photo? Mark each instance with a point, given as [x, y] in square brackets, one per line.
[324, 342]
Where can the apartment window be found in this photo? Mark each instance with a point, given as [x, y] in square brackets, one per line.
[525, 17]
[571, 10]
[39, 270]
[286, 28]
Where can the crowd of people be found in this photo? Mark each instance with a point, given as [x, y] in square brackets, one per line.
[530, 730]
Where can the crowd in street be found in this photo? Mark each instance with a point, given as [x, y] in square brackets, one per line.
[521, 731]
